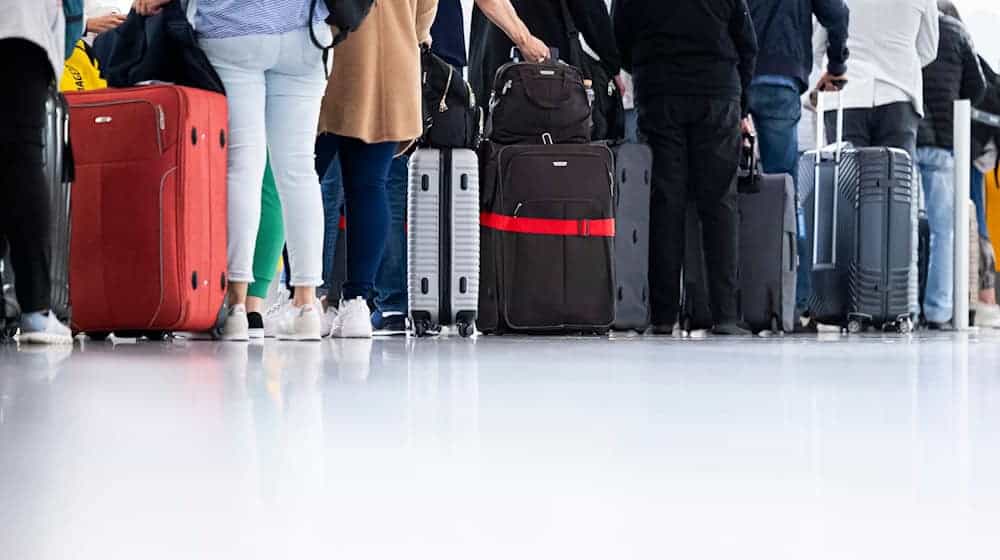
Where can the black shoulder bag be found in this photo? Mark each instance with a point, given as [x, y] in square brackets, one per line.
[345, 15]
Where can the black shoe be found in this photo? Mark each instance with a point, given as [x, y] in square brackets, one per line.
[391, 326]
[667, 330]
[255, 322]
[805, 325]
[730, 329]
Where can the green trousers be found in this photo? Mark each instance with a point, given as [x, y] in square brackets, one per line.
[270, 238]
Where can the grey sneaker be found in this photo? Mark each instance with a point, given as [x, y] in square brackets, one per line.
[51, 332]
[236, 327]
[301, 323]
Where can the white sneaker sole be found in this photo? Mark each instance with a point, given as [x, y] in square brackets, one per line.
[317, 337]
[44, 338]
[257, 334]
[235, 337]
[352, 334]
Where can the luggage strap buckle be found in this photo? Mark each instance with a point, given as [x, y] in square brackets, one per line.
[583, 228]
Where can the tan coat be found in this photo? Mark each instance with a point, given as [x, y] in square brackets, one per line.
[374, 91]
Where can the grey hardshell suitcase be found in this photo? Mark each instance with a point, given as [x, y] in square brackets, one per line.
[861, 209]
[58, 171]
[633, 170]
[768, 255]
[443, 240]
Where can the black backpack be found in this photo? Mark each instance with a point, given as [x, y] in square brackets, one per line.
[452, 119]
[539, 103]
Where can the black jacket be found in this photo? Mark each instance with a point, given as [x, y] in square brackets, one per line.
[982, 133]
[687, 47]
[490, 47]
[954, 74]
[784, 36]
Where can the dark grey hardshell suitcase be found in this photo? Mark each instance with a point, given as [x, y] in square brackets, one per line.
[58, 166]
[768, 255]
[633, 171]
[861, 216]
[443, 240]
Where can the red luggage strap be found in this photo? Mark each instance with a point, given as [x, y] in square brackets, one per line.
[604, 227]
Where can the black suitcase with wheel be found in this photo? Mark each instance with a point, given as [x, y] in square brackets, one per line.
[547, 239]
[633, 172]
[861, 216]
[768, 255]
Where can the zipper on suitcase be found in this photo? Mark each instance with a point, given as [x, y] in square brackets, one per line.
[444, 220]
[160, 117]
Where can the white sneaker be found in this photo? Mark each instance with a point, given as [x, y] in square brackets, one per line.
[987, 315]
[301, 323]
[236, 328]
[327, 320]
[53, 333]
[273, 315]
[353, 320]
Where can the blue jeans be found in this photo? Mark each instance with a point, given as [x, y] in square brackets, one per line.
[365, 168]
[632, 126]
[776, 112]
[937, 172]
[332, 186]
[390, 282]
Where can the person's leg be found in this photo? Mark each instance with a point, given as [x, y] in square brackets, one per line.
[24, 190]
[714, 153]
[667, 208]
[240, 63]
[632, 126]
[270, 241]
[776, 112]
[937, 168]
[332, 187]
[858, 124]
[366, 169]
[978, 196]
[895, 125]
[390, 282]
[295, 89]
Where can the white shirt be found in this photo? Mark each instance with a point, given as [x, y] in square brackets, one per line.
[38, 21]
[890, 42]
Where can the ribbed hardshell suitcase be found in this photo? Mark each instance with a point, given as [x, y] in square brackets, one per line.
[633, 172]
[862, 219]
[149, 209]
[547, 239]
[58, 168]
[443, 240]
[768, 255]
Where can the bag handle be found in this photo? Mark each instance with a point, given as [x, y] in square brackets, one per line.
[820, 160]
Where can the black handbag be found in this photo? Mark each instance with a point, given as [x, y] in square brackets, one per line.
[608, 111]
[452, 119]
[345, 15]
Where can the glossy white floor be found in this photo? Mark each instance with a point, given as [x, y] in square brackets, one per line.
[504, 448]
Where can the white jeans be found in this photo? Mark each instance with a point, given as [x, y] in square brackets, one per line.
[274, 85]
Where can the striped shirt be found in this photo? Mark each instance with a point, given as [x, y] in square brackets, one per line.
[217, 19]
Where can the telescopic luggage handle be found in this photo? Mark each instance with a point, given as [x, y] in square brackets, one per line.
[821, 158]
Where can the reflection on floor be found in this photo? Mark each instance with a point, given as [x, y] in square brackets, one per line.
[504, 448]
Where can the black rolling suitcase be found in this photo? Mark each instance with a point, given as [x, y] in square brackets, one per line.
[547, 239]
[443, 240]
[633, 171]
[768, 255]
[861, 216]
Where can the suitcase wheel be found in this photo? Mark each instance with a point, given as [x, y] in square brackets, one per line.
[904, 327]
[422, 324]
[98, 336]
[157, 335]
[854, 326]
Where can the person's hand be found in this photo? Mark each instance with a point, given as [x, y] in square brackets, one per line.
[620, 84]
[829, 82]
[101, 24]
[149, 7]
[746, 126]
[534, 50]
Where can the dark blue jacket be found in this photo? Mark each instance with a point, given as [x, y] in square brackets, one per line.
[784, 36]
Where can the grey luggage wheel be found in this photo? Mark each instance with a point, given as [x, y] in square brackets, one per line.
[98, 336]
[904, 327]
[421, 328]
[465, 330]
[854, 326]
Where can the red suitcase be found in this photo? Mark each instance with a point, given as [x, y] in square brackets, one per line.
[148, 251]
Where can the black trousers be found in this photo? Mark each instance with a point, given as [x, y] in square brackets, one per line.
[893, 125]
[24, 197]
[696, 148]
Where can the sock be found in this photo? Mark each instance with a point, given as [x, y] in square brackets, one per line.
[34, 322]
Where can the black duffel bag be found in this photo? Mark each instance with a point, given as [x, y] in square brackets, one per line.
[452, 119]
[539, 103]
